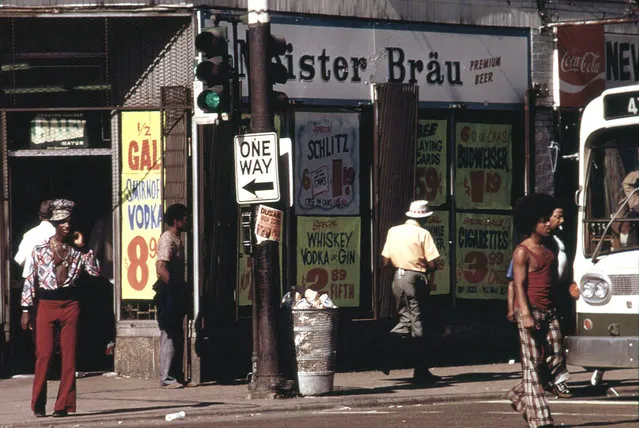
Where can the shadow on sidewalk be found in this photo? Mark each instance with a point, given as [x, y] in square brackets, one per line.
[628, 389]
[600, 424]
[482, 377]
[203, 404]
[407, 383]
[354, 390]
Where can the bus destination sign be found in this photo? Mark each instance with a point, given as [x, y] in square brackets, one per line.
[620, 105]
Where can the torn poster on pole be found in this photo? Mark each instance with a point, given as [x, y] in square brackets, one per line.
[268, 226]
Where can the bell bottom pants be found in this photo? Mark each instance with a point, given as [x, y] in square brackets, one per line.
[50, 312]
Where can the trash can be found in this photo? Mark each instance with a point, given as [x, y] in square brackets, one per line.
[315, 337]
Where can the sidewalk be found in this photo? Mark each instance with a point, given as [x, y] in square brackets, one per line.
[112, 400]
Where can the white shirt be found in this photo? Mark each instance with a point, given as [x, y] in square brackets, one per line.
[30, 239]
[562, 259]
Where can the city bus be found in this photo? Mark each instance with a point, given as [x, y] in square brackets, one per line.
[606, 264]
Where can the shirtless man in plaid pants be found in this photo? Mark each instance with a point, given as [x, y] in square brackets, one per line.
[534, 267]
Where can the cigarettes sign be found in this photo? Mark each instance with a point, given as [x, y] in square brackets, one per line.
[256, 171]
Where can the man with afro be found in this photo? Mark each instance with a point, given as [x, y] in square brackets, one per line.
[535, 270]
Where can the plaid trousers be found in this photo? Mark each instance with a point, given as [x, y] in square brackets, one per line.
[541, 357]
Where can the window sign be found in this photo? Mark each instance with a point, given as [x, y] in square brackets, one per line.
[430, 161]
[327, 168]
[141, 177]
[328, 257]
[484, 250]
[437, 225]
[59, 131]
[483, 176]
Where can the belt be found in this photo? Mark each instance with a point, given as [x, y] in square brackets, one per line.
[401, 271]
[64, 293]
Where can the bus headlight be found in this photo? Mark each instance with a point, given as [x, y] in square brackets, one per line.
[595, 289]
[588, 290]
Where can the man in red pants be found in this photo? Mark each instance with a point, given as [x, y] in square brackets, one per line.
[55, 266]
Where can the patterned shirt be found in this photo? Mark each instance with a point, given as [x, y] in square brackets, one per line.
[171, 251]
[42, 272]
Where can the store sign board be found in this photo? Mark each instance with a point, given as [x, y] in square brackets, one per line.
[141, 196]
[59, 131]
[437, 225]
[339, 60]
[430, 161]
[581, 61]
[483, 173]
[483, 253]
[622, 60]
[329, 257]
[327, 163]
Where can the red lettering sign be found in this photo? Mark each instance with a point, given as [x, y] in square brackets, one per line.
[581, 64]
[144, 158]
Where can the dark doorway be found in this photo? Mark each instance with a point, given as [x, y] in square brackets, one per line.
[86, 180]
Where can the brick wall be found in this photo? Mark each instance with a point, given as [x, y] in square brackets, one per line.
[544, 132]
[541, 76]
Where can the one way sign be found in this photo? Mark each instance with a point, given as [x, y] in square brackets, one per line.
[256, 173]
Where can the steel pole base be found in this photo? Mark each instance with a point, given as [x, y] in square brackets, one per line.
[271, 387]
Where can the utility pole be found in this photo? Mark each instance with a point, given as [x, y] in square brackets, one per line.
[259, 34]
[268, 381]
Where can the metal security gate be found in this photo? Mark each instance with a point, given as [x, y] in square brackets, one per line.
[393, 163]
[5, 308]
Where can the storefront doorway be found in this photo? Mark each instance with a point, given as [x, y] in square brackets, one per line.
[87, 180]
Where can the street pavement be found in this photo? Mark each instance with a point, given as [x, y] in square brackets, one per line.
[105, 399]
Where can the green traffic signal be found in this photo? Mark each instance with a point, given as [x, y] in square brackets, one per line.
[212, 100]
[214, 71]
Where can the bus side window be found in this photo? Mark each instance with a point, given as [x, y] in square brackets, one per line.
[625, 232]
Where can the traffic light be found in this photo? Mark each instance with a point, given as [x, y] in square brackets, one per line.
[277, 72]
[214, 71]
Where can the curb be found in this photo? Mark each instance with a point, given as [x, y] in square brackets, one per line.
[255, 407]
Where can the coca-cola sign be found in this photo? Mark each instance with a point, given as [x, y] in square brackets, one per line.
[581, 71]
[585, 63]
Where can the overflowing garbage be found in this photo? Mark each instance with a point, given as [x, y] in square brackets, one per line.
[314, 319]
[307, 299]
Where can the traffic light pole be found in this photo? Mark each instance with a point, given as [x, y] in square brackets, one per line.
[268, 382]
[259, 34]
[236, 101]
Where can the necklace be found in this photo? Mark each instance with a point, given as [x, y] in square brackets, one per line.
[54, 246]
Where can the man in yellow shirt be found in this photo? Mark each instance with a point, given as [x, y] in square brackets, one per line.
[411, 250]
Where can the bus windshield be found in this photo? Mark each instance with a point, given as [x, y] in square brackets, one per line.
[613, 175]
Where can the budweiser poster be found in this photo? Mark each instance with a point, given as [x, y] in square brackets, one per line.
[581, 64]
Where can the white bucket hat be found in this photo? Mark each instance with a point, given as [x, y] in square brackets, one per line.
[419, 209]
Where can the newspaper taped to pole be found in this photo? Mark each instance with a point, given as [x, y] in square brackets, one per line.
[268, 225]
